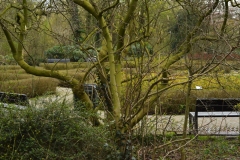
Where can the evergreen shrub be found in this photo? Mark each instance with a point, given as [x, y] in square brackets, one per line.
[53, 132]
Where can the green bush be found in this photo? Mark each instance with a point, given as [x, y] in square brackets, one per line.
[34, 60]
[7, 59]
[174, 103]
[55, 132]
[138, 49]
[224, 69]
[74, 53]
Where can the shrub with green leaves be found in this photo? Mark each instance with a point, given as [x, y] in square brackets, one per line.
[7, 59]
[54, 132]
[184, 21]
[74, 53]
[138, 49]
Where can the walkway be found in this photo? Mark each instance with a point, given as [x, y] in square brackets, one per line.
[210, 125]
[156, 124]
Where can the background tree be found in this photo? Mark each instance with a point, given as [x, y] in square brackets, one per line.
[75, 22]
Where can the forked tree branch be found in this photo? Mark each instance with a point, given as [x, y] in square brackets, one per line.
[108, 8]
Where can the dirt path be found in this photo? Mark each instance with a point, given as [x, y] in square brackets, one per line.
[62, 95]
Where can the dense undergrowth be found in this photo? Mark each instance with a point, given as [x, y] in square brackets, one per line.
[52, 132]
[169, 147]
[57, 132]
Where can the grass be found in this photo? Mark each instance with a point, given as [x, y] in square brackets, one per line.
[65, 66]
[56, 66]
[9, 67]
[16, 80]
[74, 65]
[214, 148]
[13, 71]
[6, 76]
[75, 73]
[32, 87]
[202, 148]
[215, 84]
